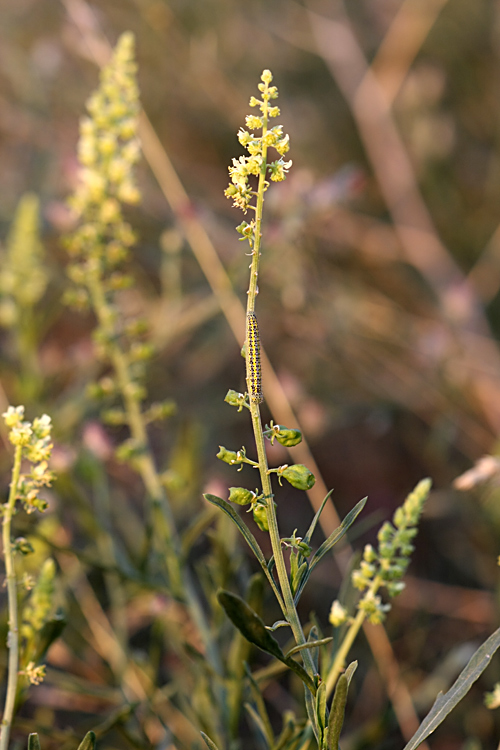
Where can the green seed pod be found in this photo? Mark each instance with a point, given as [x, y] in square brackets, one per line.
[260, 517]
[23, 546]
[233, 398]
[241, 496]
[299, 476]
[286, 436]
[229, 457]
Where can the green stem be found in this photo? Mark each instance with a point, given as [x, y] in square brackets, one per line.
[162, 521]
[341, 655]
[13, 636]
[291, 611]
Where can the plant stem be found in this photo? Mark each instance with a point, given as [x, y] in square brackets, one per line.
[291, 611]
[341, 655]
[13, 636]
[162, 521]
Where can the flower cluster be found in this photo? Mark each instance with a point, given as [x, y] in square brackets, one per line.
[255, 163]
[387, 565]
[23, 277]
[108, 149]
[33, 438]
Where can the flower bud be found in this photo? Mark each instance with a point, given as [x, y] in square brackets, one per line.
[299, 476]
[260, 517]
[241, 496]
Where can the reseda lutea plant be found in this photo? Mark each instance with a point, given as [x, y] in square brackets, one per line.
[287, 588]
[383, 567]
[33, 446]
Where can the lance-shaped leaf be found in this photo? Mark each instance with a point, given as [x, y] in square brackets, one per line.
[250, 540]
[336, 719]
[314, 522]
[34, 742]
[260, 711]
[329, 543]
[208, 742]
[253, 628]
[88, 742]
[445, 703]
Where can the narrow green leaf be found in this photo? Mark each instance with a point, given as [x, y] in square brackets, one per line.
[445, 703]
[314, 522]
[250, 539]
[309, 644]
[289, 728]
[208, 742]
[337, 535]
[261, 708]
[34, 742]
[88, 742]
[253, 628]
[321, 707]
[258, 723]
[298, 576]
[336, 720]
[327, 545]
[350, 671]
[278, 624]
[249, 623]
[313, 636]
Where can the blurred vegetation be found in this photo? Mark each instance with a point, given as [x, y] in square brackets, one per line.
[379, 310]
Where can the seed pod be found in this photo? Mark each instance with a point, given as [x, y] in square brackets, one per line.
[287, 437]
[229, 457]
[299, 476]
[260, 517]
[241, 496]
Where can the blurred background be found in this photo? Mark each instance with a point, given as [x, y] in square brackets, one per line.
[378, 308]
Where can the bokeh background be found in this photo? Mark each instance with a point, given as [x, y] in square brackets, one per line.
[378, 307]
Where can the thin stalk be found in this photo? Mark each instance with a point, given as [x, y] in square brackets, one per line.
[341, 655]
[13, 636]
[291, 611]
[162, 521]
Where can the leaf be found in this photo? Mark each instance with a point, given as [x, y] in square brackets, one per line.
[297, 576]
[261, 710]
[34, 742]
[278, 624]
[447, 702]
[336, 720]
[88, 742]
[321, 708]
[289, 728]
[258, 723]
[250, 539]
[327, 545]
[314, 522]
[309, 644]
[337, 535]
[253, 628]
[208, 742]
